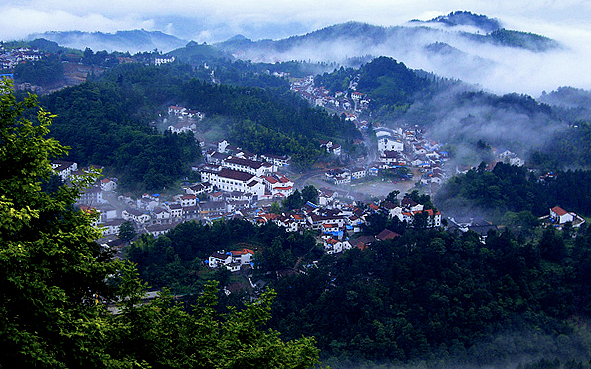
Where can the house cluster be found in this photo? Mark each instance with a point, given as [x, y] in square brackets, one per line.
[342, 102]
[398, 148]
[11, 58]
[410, 148]
[559, 217]
[337, 221]
[94, 197]
[185, 119]
[163, 59]
[68, 171]
[231, 260]
[233, 181]
[232, 170]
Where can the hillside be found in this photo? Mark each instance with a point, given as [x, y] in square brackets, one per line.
[460, 115]
[358, 39]
[132, 41]
[106, 121]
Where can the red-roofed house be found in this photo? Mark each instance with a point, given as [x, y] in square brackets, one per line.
[243, 256]
[108, 184]
[560, 216]
[278, 185]
[386, 234]
[333, 246]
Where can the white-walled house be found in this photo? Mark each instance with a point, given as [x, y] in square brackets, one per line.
[135, 215]
[159, 229]
[257, 168]
[111, 227]
[243, 256]
[334, 246]
[108, 184]
[390, 144]
[560, 216]
[232, 260]
[230, 180]
[219, 258]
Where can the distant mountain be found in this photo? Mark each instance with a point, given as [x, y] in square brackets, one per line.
[464, 18]
[460, 45]
[354, 39]
[132, 41]
[196, 53]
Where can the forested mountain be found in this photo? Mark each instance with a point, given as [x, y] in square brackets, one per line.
[436, 296]
[465, 18]
[430, 295]
[511, 188]
[125, 41]
[106, 121]
[552, 133]
[102, 125]
[376, 36]
[474, 44]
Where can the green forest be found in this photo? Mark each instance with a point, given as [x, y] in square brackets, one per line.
[106, 122]
[510, 188]
[430, 295]
[67, 303]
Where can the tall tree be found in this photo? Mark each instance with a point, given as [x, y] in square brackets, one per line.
[52, 279]
[127, 231]
[310, 193]
[55, 282]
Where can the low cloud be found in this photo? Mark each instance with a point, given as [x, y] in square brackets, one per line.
[213, 21]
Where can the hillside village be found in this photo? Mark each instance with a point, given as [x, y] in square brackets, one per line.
[239, 184]
[236, 183]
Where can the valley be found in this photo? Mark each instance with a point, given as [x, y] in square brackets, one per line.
[381, 196]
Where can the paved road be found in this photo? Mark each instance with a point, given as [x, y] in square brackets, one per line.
[302, 181]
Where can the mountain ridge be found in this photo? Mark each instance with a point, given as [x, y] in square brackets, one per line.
[127, 40]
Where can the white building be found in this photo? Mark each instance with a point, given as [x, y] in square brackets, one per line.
[560, 216]
[230, 180]
[278, 185]
[135, 215]
[163, 60]
[387, 143]
[257, 168]
[159, 229]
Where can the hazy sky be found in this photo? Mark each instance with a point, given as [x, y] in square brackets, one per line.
[566, 21]
[216, 20]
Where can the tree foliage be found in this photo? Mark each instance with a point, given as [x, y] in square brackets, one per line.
[510, 188]
[175, 259]
[56, 282]
[432, 295]
[101, 125]
[45, 72]
[52, 280]
[127, 231]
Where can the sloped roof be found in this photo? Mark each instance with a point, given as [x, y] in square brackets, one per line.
[559, 211]
[386, 234]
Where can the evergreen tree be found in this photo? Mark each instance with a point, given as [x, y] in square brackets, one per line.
[52, 279]
[55, 282]
[127, 231]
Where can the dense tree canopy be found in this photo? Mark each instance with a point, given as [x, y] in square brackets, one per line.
[433, 295]
[100, 124]
[56, 282]
[511, 188]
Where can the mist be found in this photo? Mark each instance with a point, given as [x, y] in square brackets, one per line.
[492, 67]
[501, 351]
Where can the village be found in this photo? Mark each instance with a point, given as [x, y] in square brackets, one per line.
[236, 183]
